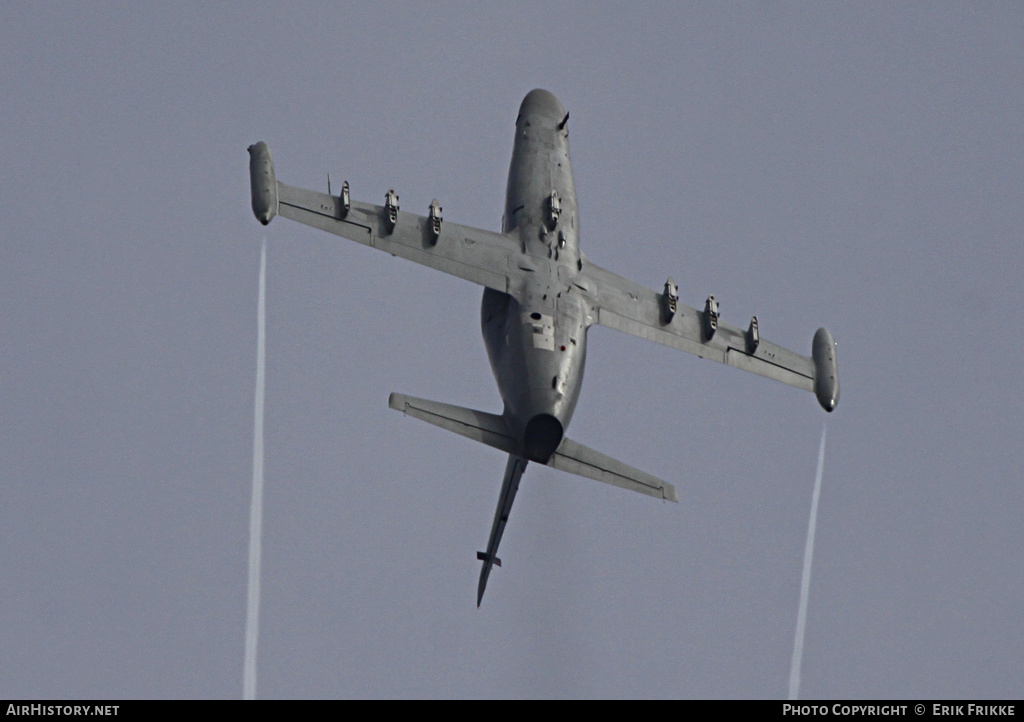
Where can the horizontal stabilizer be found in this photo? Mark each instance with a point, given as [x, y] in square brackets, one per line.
[570, 456]
[578, 459]
[482, 556]
[480, 426]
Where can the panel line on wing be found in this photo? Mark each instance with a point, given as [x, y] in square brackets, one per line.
[314, 211]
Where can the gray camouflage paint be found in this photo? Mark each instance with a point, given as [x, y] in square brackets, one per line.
[540, 297]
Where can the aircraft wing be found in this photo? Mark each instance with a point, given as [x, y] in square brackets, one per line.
[634, 309]
[480, 256]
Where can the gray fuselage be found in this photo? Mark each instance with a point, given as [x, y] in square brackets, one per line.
[537, 345]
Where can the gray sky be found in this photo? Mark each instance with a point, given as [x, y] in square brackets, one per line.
[852, 165]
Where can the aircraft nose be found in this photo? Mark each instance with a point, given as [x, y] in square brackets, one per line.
[541, 102]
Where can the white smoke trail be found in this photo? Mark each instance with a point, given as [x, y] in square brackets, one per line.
[252, 619]
[805, 582]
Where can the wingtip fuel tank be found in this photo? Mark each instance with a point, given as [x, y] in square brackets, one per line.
[826, 373]
[263, 183]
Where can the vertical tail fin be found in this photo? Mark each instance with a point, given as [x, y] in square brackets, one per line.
[513, 473]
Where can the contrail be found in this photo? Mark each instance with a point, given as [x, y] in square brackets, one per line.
[252, 619]
[805, 582]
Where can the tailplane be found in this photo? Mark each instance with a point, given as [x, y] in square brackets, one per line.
[570, 456]
[480, 426]
[583, 461]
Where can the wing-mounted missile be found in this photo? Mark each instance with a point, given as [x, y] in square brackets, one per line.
[710, 317]
[435, 220]
[346, 199]
[554, 209]
[826, 372]
[669, 301]
[753, 336]
[391, 209]
[263, 183]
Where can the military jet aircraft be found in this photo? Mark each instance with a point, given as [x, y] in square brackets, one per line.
[541, 294]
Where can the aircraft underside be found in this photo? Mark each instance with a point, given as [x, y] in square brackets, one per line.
[540, 296]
